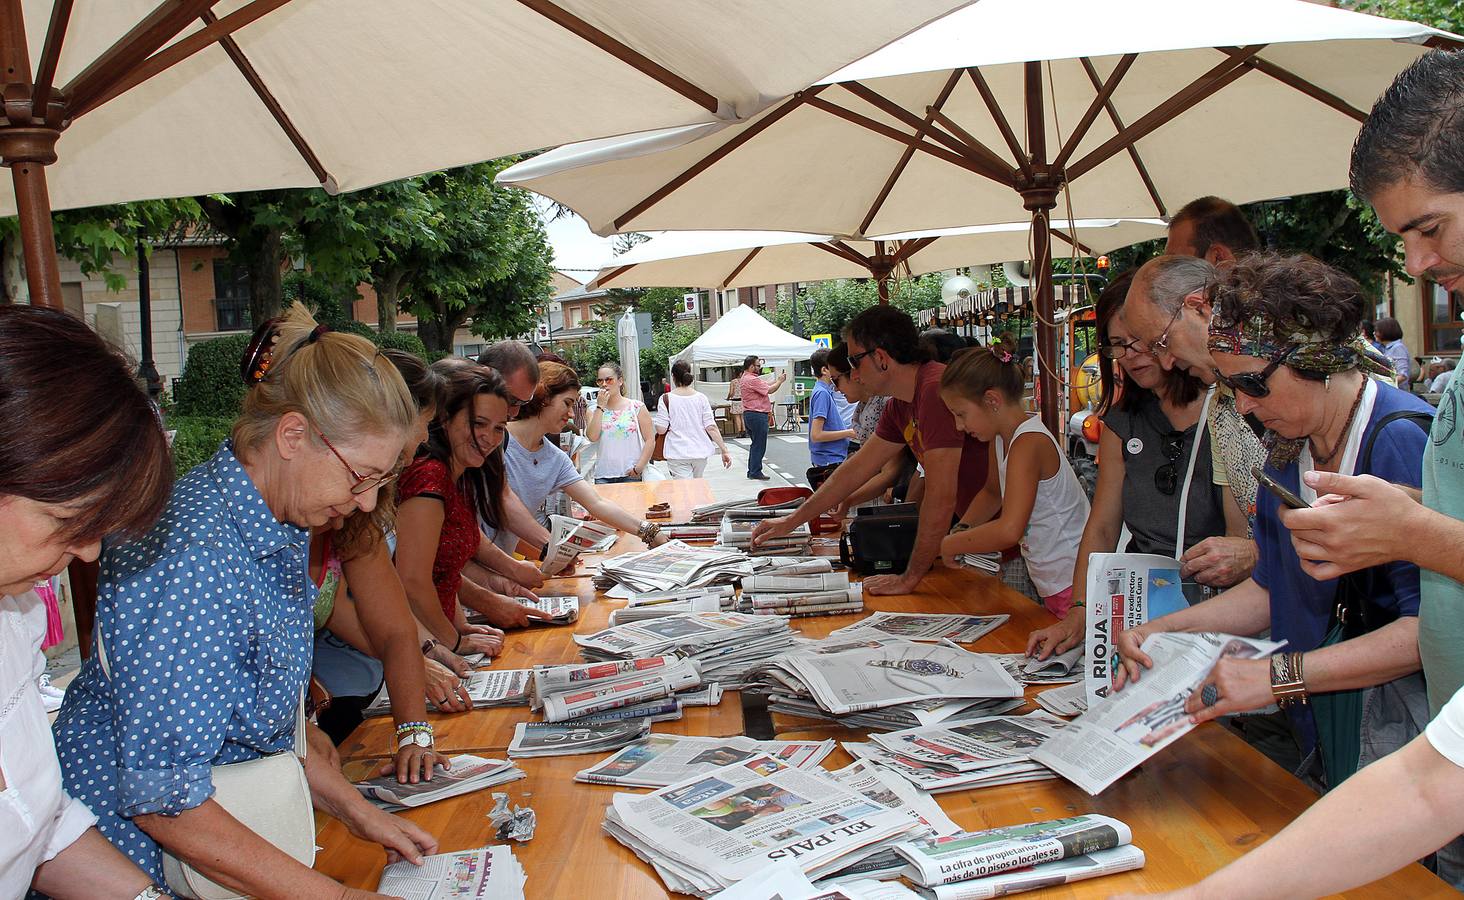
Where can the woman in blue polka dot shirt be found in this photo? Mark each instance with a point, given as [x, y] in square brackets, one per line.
[206, 624]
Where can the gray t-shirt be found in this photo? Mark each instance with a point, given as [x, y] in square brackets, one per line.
[1152, 516]
[533, 477]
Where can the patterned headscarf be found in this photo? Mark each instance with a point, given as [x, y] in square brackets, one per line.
[1265, 338]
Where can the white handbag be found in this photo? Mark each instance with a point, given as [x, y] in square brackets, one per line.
[269, 795]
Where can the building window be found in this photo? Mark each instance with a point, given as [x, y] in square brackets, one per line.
[471, 350]
[231, 296]
[1443, 325]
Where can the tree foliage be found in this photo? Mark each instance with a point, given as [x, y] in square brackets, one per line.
[836, 302]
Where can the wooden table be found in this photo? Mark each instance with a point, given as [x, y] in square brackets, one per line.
[1197, 805]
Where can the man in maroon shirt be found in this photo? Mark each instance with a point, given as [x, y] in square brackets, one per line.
[885, 357]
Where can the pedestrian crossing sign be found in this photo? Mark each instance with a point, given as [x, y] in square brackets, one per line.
[825, 341]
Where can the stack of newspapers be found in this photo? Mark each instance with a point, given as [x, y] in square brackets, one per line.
[572, 738]
[737, 526]
[817, 594]
[673, 566]
[1060, 668]
[726, 645]
[1001, 861]
[962, 755]
[656, 604]
[885, 683]
[464, 875]
[486, 688]
[713, 512]
[468, 773]
[663, 759]
[710, 831]
[962, 629]
[565, 693]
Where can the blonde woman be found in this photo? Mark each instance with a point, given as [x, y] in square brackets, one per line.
[206, 625]
[622, 428]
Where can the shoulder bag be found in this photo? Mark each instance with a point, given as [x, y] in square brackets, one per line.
[269, 795]
[659, 454]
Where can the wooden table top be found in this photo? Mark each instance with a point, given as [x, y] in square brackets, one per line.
[1197, 805]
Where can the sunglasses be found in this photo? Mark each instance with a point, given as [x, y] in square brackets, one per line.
[1253, 384]
[856, 358]
[364, 483]
[1166, 477]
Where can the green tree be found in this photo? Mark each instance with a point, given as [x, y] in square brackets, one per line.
[836, 302]
[663, 303]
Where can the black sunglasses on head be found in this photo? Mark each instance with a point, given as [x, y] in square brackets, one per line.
[1166, 477]
[1254, 384]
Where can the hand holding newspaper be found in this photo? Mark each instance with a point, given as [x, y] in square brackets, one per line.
[465, 875]
[571, 537]
[1125, 728]
[1124, 590]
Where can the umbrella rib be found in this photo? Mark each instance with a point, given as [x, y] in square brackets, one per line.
[179, 51]
[843, 251]
[251, 75]
[638, 61]
[740, 266]
[1000, 119]
[909, 152]
[1311, 89]
[912, 247]
[716, 155]
[1104, 95]
[957, 143]
[897, 135]
[161, 25]
[614, 274]
[1187, 98]
[1133, 151]
[50, 57]
[979, 148]
[1073, 242]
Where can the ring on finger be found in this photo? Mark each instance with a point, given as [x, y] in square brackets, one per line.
[1210, 695]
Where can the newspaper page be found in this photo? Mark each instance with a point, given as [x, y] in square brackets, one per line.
[923, 626]
[889, 789]
[1127, 727]
[606, 695]
[1059, 668]
[1104, 862]
[872, 674]
[1124, 590]
[571, 537]
[687, 629]
[663, 759]
[968, 746]
[491, 872]
[736, 820]
[796, 584]
[936, 780]
[468, 773]
[673, 565]
[485, 687]
[976, 854]
[561, 609]
[1068, 700]
[785, 881]
[556, 679]
[571, 738]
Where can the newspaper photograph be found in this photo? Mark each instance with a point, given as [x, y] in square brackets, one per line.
[889, 789]
[852, 677]
[1124, 590]
[976, 854]
[468, 773]
[974, 745]
[568, 538]
[491, 872]
[1125, 728]
[961, 629]
[663, 759]
[572, 738]
[1104, 862]
[736, 820]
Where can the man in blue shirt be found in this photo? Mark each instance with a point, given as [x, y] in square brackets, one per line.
[828, 434]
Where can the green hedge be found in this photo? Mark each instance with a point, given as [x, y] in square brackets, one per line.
[197, 438]
[210, 385]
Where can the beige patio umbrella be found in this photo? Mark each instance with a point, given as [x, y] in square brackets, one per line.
[113, 100]
[1011, 109]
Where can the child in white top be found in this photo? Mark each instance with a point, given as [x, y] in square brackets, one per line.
[1035, 500]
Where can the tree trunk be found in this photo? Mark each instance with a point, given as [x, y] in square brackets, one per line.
[388, 300]
[266, 278]
[437, 330]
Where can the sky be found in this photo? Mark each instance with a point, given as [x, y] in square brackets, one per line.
[575, 246]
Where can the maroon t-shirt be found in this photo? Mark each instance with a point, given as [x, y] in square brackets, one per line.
[426, 477]
[925, 423]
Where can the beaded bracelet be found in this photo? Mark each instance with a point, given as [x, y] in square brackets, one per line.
[411, 727]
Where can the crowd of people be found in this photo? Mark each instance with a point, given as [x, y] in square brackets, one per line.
[371, 519]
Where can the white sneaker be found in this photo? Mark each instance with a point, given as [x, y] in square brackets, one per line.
[50, 694]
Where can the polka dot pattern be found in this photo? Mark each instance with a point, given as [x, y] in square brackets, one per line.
[207, 627]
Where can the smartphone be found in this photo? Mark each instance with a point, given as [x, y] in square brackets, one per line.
[1282, 493]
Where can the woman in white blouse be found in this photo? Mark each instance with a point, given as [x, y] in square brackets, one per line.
[81, 456]
[685, 416]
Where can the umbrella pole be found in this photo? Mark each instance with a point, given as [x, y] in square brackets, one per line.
[1039, 191]
[33, 202]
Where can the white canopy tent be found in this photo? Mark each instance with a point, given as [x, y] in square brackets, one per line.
[743, 332]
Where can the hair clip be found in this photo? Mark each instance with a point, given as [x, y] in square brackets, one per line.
[1003, 356]
[316, 333]
[259, 355]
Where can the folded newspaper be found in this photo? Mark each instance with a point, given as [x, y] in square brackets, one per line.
[1125, 728]
[468, 773]
[725, 644]
[785, 881]
[561, 610]
[673, 565]
[1068, 700]
[1124, 590]
[1078, 868]
[571, 738]
[663, 759]
[707, 833]
[669, 604]
[888, 788]
[486, 688]
[581, 691]
[737, 527]
[1059, 668]
[490, 872]
[937, 780]
[962, 629]
[568, 538]
[968, 746]
[947, 859]
[990, 563]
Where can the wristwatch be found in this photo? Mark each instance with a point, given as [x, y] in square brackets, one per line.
[428, 644]
[418, 738]
[151, 892]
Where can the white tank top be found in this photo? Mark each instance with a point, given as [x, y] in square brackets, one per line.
[1055, 529]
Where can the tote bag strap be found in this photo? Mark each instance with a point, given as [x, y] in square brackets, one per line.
[1189, 473]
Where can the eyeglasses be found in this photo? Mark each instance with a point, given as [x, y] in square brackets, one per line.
[1119, 351]
[364, 483]
[1162, 344]
[856, 358]
[1166, 477]
[1253, 384]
